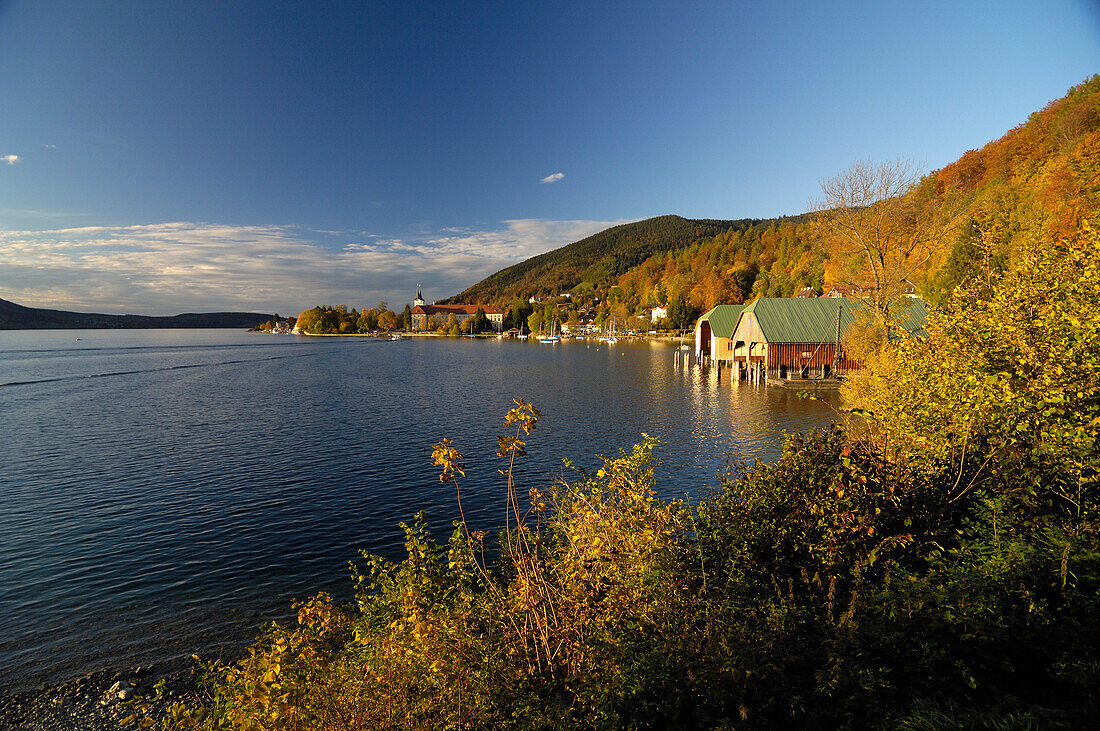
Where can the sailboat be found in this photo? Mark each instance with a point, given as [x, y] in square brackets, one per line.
[611, 337]
[552, 338]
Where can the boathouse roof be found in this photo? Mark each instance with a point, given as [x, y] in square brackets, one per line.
[803, 320]
[723, 319]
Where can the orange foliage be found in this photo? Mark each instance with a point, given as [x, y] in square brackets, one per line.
[1041, 178]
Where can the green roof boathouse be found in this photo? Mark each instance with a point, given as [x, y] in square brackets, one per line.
[782, 340]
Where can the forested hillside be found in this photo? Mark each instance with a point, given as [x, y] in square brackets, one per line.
[1039, 179]
[594, 262]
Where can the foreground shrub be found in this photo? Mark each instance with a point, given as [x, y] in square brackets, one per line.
[829, 588]
[866, 596]
[595, 615]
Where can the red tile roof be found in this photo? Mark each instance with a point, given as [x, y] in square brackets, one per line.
[454, 310]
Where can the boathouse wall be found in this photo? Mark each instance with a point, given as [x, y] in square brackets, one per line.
[723, 349]
[808, 354]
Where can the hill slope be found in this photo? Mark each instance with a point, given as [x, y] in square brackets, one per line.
[595, 261]
[1041, 180]
[18, 317]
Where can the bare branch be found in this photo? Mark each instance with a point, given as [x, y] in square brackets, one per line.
[877, 228]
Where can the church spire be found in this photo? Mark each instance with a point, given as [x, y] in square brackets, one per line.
[419, 301]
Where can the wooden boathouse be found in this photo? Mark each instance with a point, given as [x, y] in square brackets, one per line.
[713, 332]
[784, 339]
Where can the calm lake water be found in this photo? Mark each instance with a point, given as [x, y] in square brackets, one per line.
[164, 492]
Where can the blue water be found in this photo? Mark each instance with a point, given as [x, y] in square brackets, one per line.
[164, 492]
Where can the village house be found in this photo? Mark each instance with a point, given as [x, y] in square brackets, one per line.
[585, 326]
[657, 313]
[424, 314]
[778, 339]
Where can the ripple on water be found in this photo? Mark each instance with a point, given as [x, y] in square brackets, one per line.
[204, 479]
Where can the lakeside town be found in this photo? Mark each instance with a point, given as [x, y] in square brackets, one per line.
[773, 340]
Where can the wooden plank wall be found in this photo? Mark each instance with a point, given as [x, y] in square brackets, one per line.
[748, 329]
[814, 355]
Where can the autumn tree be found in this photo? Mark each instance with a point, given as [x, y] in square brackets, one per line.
[387, 320]
[368, 321]
[534, 321]
[310, 320]
[517, 314]
[881, 226]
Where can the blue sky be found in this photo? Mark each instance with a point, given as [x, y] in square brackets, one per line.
[164, 157]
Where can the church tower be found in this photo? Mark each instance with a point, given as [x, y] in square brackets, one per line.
[419, 301]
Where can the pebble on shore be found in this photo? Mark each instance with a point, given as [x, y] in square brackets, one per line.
[95, 702]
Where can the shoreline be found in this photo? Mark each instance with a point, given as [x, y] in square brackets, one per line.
[98, 700]
[670, 339]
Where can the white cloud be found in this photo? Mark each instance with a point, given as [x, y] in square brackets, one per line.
[519, 240]
[10, 159]
[173, 267]
[553, 178]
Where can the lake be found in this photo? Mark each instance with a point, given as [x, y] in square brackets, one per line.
[164, 492]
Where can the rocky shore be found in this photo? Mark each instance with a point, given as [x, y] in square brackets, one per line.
[96, 702]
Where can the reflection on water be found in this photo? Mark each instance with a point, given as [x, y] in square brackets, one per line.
[165, 491]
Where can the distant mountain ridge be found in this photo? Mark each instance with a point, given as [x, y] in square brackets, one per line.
[18, 317]
[596, 260]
